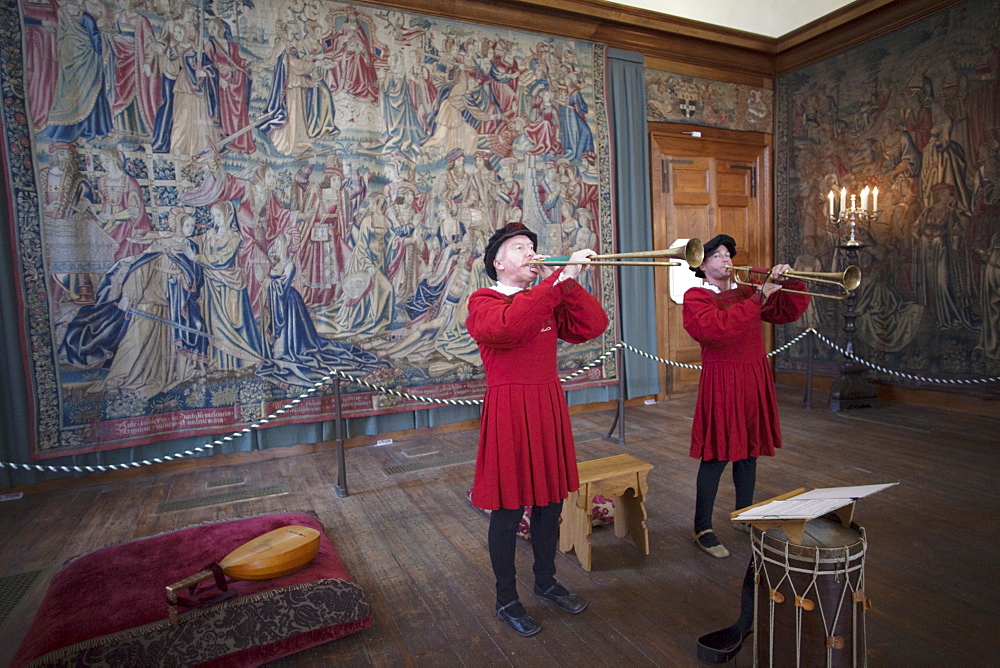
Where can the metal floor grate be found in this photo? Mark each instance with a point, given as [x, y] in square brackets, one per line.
[217, 499]
[435, 463]
[225, 482]
[421, 452]
[12, 589]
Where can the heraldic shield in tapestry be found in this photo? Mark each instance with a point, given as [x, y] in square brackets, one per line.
[217, 204]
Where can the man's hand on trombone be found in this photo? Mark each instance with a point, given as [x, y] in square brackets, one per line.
[573, 267]
[775, 279]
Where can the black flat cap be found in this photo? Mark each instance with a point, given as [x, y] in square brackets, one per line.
[493, 245]
[711, 245]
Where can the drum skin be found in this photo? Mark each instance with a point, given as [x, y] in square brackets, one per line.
[815, 584]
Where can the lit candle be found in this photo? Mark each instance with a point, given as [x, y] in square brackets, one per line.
[830, 197]
[854, 202]
[864, 198]
[843, 199]
[875, 199]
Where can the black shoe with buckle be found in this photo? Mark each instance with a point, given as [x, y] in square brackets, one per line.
[562, 599]
[518, 619]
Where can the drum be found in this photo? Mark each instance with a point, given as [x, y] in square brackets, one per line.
[811, 598]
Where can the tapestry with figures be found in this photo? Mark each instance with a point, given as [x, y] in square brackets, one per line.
[217, 203]
[673, 98]
[917, 116]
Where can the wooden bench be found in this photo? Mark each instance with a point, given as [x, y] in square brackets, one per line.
[622, 478]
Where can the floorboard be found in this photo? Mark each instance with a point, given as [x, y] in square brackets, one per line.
[418, 549]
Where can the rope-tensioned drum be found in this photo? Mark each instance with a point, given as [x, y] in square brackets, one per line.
[342, 376]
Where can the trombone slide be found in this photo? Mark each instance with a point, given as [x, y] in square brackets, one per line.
[692, 252]
[561, 260]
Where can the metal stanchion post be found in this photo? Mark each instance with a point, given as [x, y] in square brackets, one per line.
[619, 421]
[808, 400]
[341, 487]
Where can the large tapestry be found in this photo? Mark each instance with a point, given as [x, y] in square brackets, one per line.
[216, 203]
[917, 115]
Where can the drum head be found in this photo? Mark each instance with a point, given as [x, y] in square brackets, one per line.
[823, 540]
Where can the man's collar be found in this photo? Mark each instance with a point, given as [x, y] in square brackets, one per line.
[507, 289]
[715, 288]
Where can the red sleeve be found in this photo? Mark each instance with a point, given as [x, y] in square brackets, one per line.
[707, 321]
[784, 307]
[510, 322]
[580, 317]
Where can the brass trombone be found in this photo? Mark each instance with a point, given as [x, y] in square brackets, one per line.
[692, 252]
[846, 280]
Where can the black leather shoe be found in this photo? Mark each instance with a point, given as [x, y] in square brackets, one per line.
[518, 619]
[562, 599]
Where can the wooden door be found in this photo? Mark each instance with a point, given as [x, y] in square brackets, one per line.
[702, 187]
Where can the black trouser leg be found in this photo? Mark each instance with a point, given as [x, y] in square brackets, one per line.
[503, 546]
[708, 486]
[744, 479]
[544, 540]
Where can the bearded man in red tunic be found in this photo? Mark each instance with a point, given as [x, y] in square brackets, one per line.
[736, 417]
[526, 453]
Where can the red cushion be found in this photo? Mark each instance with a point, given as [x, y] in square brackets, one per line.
[602, 510]
[113, 600]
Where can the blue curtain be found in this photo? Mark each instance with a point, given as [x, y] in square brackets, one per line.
[635, 229]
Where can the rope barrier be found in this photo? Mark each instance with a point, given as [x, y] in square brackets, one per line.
[99, 468]
[899, 374]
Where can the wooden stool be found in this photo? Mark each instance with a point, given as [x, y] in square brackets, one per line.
[621, 477]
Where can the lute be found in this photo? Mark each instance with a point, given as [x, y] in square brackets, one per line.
[276, 553]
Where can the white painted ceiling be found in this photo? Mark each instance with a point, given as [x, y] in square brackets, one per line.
[770, 18]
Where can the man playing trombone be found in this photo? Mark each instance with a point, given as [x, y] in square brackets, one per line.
[526, 452]
[736, 417]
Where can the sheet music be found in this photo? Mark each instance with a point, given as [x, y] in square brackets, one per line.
[855, 492]
[810, 505]
[793, 509]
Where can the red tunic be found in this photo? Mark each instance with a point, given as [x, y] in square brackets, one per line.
[737, 412]
[526, 453]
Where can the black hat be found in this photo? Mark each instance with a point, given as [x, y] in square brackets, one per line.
[711, 245]
[493, 245]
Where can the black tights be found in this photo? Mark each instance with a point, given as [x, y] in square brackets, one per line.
[744, 478]
[503, 546]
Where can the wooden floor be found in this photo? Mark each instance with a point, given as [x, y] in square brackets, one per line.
[418, 549]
